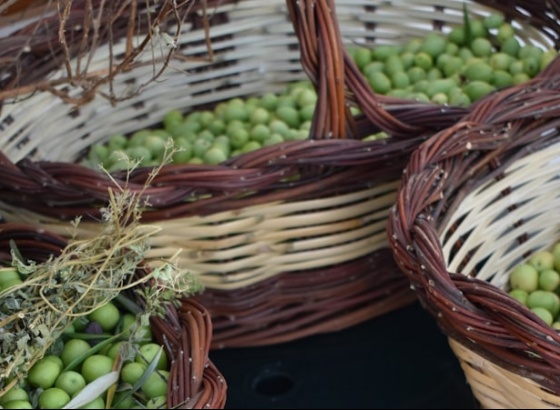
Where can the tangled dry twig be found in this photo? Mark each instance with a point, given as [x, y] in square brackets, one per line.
[63, 36]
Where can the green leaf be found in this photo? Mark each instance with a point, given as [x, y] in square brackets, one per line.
[15, 251]
[140, 382]
[22, 342]
[128, 304]
[93, 390]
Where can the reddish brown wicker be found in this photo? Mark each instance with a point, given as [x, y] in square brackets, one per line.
[185, 333]
[476, 200]
[279, 259]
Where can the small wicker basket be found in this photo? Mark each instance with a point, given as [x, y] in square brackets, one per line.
[279, 259]
[476, 200]
[185, 333]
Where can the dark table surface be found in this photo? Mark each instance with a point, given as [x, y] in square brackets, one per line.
[399, 360]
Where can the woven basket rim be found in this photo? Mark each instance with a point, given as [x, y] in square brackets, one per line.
[502, 129]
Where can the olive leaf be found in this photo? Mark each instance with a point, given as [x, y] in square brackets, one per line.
[93, 390]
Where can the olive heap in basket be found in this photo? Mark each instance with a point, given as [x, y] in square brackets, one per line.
[85, 353]
[458, 68]
[536, 284]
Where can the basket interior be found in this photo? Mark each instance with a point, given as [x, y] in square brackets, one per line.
[498, 225]
[255, 51]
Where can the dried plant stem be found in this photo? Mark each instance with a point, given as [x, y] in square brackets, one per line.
[72, 35]
[87, 274]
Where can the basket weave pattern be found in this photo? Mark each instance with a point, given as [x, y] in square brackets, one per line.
[267, 222]
[476, 200]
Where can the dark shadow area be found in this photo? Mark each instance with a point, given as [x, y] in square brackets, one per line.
[400, 360]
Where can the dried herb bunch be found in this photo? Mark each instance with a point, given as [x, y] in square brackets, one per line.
[87, 274]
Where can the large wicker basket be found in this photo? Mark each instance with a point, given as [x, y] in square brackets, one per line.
[279, 259]
[185, 333]
[477, 200]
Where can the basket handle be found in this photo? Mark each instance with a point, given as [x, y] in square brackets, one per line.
[340, 84]
[322, 59]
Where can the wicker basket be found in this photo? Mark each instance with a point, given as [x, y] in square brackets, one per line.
[279, 259]
[475, 201]
[185, 333]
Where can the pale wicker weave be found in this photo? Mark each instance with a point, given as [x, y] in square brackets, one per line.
[477, 200]
[185, 332]
[259, 246]
[15, 14]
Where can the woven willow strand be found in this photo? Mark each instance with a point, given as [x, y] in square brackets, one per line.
[488, 233]
[497, 388]
[255, 243]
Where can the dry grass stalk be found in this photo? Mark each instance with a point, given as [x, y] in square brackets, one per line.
[87, 274]
[67, 33]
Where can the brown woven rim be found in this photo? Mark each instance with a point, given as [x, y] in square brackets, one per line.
[500, 130]
[195, 381]
[299, 304]
[325, 167]
[185, 333]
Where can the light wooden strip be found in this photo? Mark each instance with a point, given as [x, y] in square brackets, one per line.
[535, 183]
[496, 387]
[246, 246]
